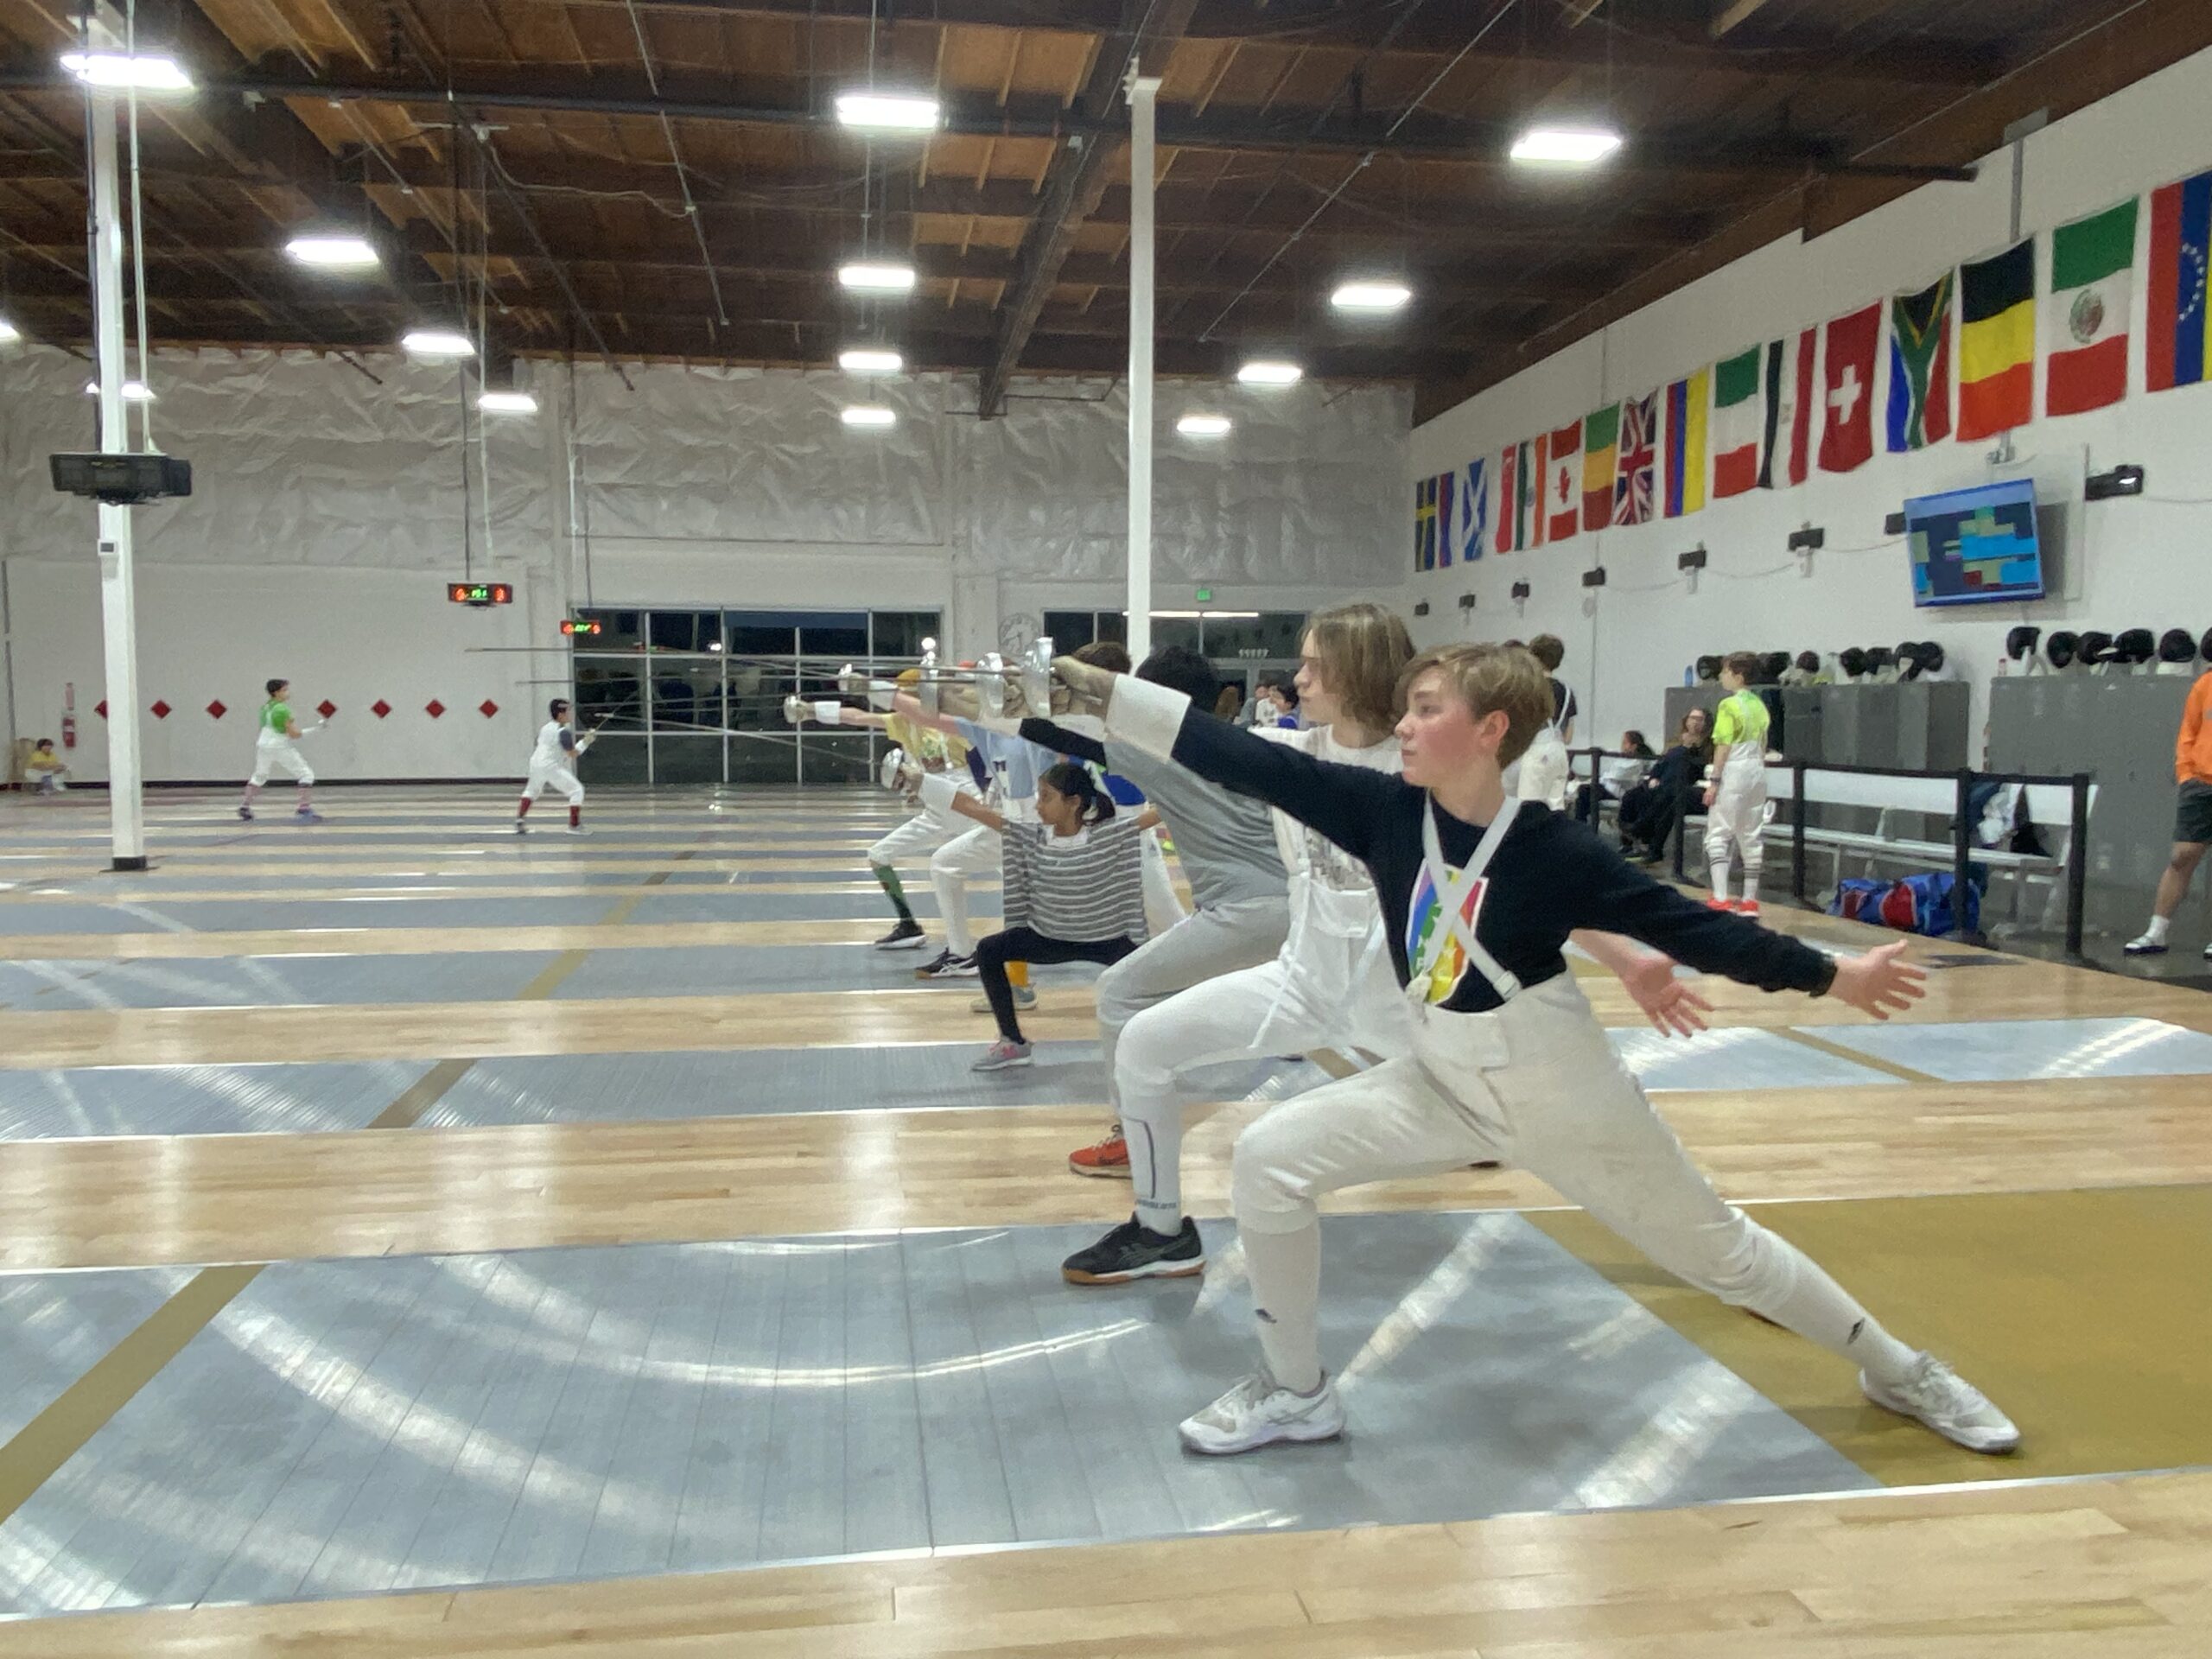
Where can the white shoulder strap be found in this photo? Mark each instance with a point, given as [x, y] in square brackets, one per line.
[1450, 885]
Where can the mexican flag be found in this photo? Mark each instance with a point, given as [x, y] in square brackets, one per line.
[1738, 423]
[2085, 327]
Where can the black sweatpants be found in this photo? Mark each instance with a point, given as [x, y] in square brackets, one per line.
[994, 950]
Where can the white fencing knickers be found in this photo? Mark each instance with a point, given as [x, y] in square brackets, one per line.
[977, 852]
[1330, 986]
[1737, 819]
[1542, 775]
[1534, 1084]
[274, 752]
[542, 779]
[1214, 941]
[924, 832]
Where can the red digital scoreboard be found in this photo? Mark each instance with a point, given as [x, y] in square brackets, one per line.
[573, 626]
[480, 593]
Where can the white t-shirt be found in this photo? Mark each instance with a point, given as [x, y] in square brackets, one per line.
[549, 754]
[1306, 852]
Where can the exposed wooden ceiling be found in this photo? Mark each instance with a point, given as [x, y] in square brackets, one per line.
[664, 179]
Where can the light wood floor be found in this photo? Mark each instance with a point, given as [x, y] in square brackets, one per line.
[2107, 1568]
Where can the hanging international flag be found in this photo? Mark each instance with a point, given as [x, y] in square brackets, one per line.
[1687, 404]
[2181, 255]
[1516, 488]
[1786, 441]
[1920, 367]
[2092, 290]
[1997, 343]
[1847, 390]
[1425, 525]
[1601, 436]
[1633, 483]
[1738, 421]
[1470, 513]
[1562, 504]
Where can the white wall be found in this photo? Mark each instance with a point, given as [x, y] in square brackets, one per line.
[2132, 562]
[328, 508]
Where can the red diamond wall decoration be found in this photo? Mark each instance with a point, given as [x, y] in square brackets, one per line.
[161, 709]
[488, 708]
[379, 707]
[434, 708]
[215, 709]
[100, 708]
[326, 708]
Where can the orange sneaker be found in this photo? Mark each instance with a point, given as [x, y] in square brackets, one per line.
[1746, 906]
[1720, 904]
[1109, 1158]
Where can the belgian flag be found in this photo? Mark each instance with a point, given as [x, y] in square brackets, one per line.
[1997, 343]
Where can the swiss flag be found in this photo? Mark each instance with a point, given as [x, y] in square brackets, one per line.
[1847, 390]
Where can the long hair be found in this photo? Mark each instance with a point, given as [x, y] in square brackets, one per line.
[1069, 779]
[1363, 650]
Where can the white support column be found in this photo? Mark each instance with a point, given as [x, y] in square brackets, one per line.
[118, 601]
[1144, 91]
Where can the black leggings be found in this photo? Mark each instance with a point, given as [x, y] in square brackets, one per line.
[994, 950]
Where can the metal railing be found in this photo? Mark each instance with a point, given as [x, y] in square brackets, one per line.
[1964, 781]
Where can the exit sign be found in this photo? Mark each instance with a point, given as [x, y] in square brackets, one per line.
[570, 625]
[1205, 596]
[480, 593]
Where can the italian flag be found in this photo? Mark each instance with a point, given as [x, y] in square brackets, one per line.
[2092, 281]
[1738, 423]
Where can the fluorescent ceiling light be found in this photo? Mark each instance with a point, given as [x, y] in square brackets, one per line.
[507, 403]
[867, 415]
[877, 279]
[119, 70]
[887, 112]
[134, 392]
[1211, 616]
[866, 360]
[332, 252]
[437, 342]
[8, 332]
[1203, 426]
[1370, 296]
[1261, 372]
[1566, 146]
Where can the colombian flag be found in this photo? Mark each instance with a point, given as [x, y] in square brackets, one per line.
[1997, 343]
[2181, 255]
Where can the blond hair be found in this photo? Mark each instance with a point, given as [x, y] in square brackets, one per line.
[1490, 680]
[1363, 650]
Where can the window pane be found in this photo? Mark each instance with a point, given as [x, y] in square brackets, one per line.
[1174, 631]
[900, 633]
[609, 694]
[686, 630]
[687, 760]
[842, 758]
[758, 633]
[764, 760]
[1272, 635]
[757, 691]
[1113, 625]
[619, 629]
[611, 760]
[1070, 631]
[846, 639]
[687, 694]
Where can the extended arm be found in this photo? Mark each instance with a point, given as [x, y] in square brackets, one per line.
[2192, 725]
[1063, 739]
[941, 794]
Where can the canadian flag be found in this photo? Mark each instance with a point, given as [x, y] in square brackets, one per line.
[1561, 513]
[1847, 389]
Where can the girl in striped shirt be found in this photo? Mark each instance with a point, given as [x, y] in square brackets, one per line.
[1074, 888]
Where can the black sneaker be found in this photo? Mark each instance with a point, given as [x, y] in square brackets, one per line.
[945, 965]
[1133, 1250]
[905, 937]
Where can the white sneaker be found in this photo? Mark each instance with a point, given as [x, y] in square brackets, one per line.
[2145, 946]
[578, 829]
[1255, 1412]
[1948, 1403]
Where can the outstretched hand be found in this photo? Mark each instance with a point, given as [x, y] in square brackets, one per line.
[1672, 1006]
[1880, 982]
[1087, 687]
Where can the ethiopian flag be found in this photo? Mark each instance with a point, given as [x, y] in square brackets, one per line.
[2181, 256]
[1601, 440]
[2091, 284]
[1997, 343]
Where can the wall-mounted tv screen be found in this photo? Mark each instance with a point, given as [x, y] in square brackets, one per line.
[1973, 547]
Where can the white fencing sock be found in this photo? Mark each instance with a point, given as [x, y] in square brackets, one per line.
[1286, 1273]
[1720, 879]
[1154, 1134]
[2156, 931]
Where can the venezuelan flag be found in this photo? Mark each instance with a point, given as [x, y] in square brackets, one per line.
[1997, 343]
[2181, 255]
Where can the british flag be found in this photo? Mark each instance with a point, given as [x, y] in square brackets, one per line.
[1633, 476]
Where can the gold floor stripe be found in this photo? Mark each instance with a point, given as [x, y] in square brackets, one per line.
[420, 941]
[1858, 1056]
[59, 1432]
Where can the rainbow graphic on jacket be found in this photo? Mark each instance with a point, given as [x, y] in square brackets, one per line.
[1423, 917]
